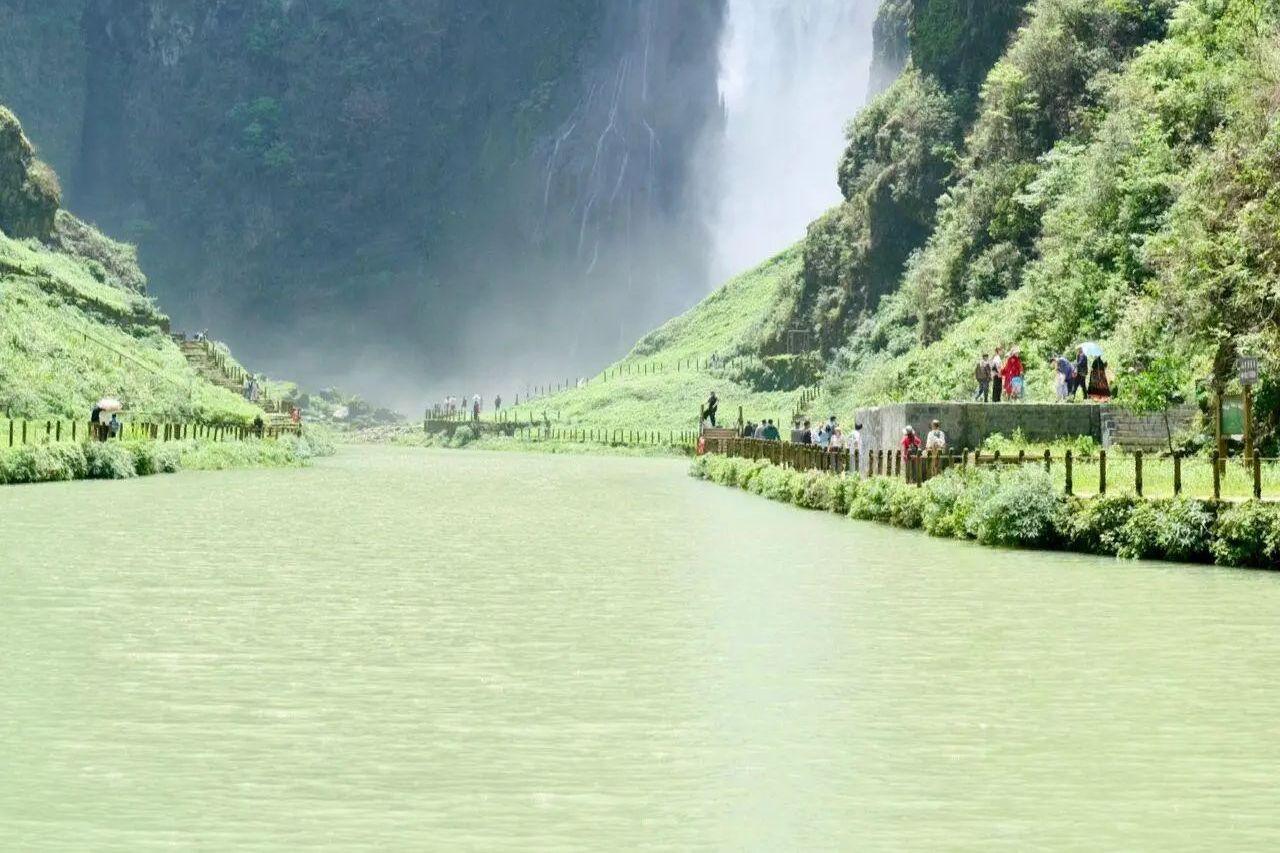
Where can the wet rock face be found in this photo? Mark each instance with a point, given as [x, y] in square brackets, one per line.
[29, 192]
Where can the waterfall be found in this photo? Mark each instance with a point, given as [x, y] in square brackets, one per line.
[792, 73]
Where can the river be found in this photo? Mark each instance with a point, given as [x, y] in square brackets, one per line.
[417, 649]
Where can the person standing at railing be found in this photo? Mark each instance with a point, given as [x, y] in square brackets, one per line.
[936, 440]
[910, 442]
[982, 375]
[713, 404]
[114, 426]
[771, 431]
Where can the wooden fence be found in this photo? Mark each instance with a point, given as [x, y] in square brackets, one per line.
[610, 437]
[1116, 473]
[17, 433]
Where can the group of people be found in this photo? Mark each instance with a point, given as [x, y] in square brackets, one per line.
[934, 442]
[104, 427]
[1077, 374]
[452, 406]
[999, 376]
[827, 436]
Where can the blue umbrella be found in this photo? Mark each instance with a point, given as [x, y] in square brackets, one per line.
[1091, 349]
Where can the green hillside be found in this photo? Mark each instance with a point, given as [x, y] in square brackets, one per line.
[1113, 179]
[662, 382]
[75, 321]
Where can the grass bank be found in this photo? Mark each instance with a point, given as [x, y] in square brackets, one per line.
[120, 460]
[465, 437]
[1022, 507]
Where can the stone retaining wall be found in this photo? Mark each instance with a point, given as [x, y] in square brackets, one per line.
[968, 424]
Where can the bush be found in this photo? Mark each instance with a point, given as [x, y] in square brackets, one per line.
[1094, 526]
[1023, 510]
[41, 463]
[109, 460]
[817, 490]
[874, 499]
[1248, 534]
[906, 506]
[462, 436]
[843, 493]
[942, 513]
[1167, 529]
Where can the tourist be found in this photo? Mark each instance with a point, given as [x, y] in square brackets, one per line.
[806, 434]
[910, 442]
[1082, 374]
[475, 408]
[855, 440]
[982, 375]
[936, 440]
[997, 374]
[114, 426]
[259, 428]
[1063, 377]
[1014, 384]
[797, 433]
[771, 431]
[822, 438]
[1099, 387]
[748, 430]
[497, 403]
[712, 405]
[838, 443]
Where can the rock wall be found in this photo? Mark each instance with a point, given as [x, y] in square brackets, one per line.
[968, 424]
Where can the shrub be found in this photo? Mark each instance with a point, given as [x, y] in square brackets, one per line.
[1138, 538]
[109, 460]
[462, 436]
[1094, 526]
[942, 512]
[1248, 534]
[816, 491]
[843, 493]
[906, 505]
[1022, 510]
[41, 463]
[874, 499]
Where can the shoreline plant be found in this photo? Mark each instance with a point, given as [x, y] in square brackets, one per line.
[1021, 507]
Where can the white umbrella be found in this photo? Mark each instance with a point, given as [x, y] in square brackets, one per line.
[109, 404]
[1091, 349]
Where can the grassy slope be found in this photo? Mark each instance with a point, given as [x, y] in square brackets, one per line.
[669, 398]
[67, 339]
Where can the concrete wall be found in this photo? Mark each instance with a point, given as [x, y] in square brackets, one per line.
[968, 424]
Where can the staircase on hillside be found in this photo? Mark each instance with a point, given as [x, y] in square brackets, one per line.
[213, 367]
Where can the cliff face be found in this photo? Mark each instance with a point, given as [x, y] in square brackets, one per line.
[420, 168]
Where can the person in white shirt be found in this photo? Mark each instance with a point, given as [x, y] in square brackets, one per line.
[936, 440]
[855, 447]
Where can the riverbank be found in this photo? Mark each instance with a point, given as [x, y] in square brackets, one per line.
[582, 443]
[121, 460]
[1023, 508]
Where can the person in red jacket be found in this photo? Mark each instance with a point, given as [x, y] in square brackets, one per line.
[910, 441]
[1012, 375]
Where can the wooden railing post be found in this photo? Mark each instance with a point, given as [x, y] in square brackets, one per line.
[1102, 472]
[1137, 472]
[1177, 474]
[1257, 475]
[1217, 477]
[1070, 486]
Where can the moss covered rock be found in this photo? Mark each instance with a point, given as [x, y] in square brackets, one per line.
[29, 191]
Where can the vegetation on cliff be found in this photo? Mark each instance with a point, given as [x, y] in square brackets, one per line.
[75, 321]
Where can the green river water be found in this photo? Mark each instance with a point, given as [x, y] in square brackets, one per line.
[407, 649]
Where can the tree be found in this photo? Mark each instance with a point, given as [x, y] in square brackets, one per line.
[1156, 388]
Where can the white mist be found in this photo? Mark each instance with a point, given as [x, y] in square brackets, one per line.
[792, 74]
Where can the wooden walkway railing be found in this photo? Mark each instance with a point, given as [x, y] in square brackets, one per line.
[1174, 475]
[17, 433]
